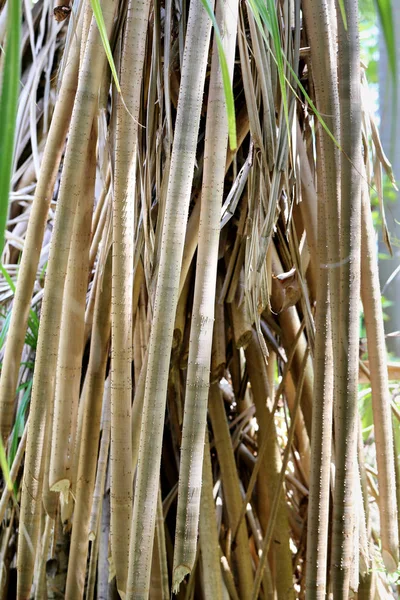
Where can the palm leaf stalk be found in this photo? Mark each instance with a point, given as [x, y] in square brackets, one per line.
[371, 298]
[201, 334]
[128, 106]
[346, 370]
[33, 242]
[43, 385]
[208, 272]
[176, 211]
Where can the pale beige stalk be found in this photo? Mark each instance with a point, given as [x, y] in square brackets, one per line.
[209, 546]
[45, 365]
[41, 583]
[371, 299]
[346, 371]
[92, 400]
[321, 434]
[160, 553]
[201, 331]
[121, 482]
[70, 350]
[318, 15]
[166, 297]
[102, 463]
[34, 236]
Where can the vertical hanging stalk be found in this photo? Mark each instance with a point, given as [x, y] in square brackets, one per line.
[34, 236]
[162, 549]
[231, 487]
[271, 467]
[41, 582]
[320, 27]
[209, 546]
[166, 297]
[43, 381]
[201, 333]
[371, 299]
[92, 404]
[121, 474]
[102, 463]
[346, 371]
[321, 433]
[70, 350]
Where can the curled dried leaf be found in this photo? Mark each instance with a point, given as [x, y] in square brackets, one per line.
[286, 290]
[61, 11]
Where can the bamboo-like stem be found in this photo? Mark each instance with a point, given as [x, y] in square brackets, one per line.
[231, 486]
[346, 371]
[161, 549]
[121, 475]
[95, 514]
[41, 585]
[92, 401]
[166, 297]
[268, 486]
[94, 555]
[320, 25]
[43, 381]
[137, 409]
[50, 499]
[371, 299]
[321, 436]
[201, 332]
[69, 362]
[34, 236]
[208, 538]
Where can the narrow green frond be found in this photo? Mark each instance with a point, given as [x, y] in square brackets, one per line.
[98, 15]
[267, 12]
[8, 107]
[230, 104]
[343, 13]
[4, 467]
[19, 420]
[7, 277]
[385, 12]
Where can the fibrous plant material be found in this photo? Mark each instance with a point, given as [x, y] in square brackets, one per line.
[371, 298]
[346, 362]
[201, 333]
[43, 385]
[34, 236]
[128, 109]
[176, 210]
[189, 314]
[321, 435]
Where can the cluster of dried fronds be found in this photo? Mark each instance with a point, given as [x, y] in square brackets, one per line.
[180, 354]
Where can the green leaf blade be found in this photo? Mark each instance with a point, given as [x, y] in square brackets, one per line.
[8, 107]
